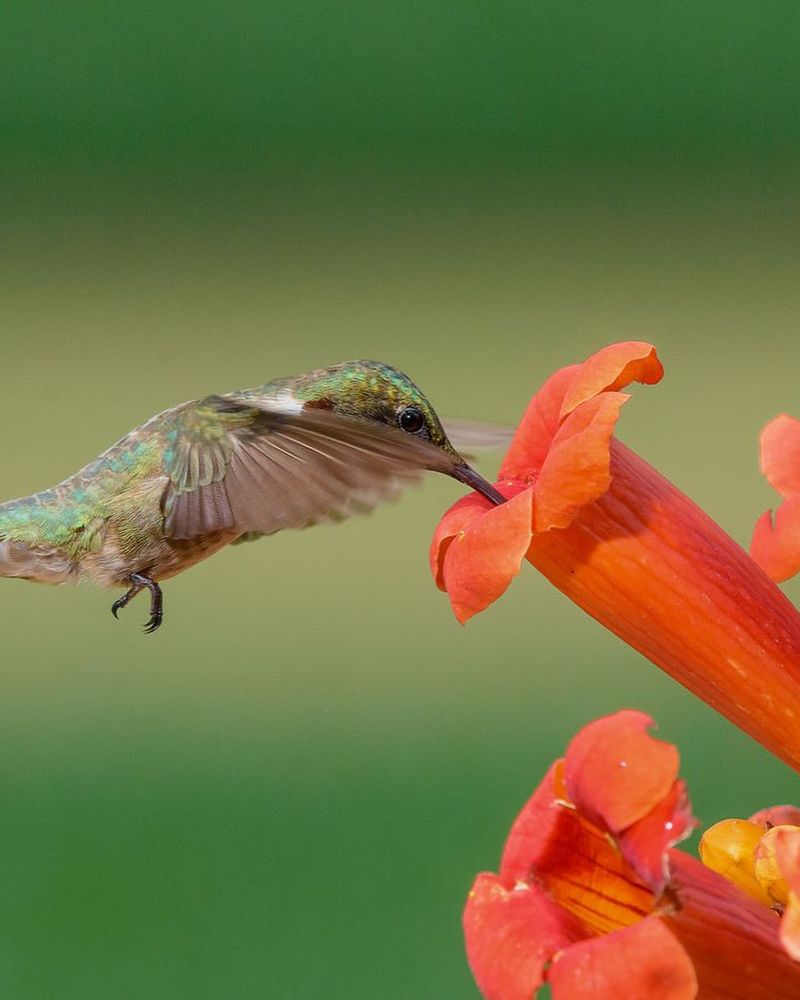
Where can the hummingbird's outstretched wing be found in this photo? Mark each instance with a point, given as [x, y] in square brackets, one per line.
[467, 435]
[235, 465]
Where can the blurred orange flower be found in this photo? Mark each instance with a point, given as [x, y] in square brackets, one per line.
[761, 856]
[591, 899]
[776, 543]
[630, 549]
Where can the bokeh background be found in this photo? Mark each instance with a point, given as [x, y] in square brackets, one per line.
[287, 791]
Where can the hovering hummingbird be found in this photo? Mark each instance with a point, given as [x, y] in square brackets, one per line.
[231, 468]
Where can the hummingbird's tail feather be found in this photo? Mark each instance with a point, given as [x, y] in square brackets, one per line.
[27, 563]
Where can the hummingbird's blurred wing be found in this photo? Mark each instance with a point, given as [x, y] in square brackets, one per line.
[239, 466]
[469, 435]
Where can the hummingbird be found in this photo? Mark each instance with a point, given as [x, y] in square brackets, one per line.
[232, 468]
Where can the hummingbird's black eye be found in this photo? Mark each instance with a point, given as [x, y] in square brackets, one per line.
[411, 420]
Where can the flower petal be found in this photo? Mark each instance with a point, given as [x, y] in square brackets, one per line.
[511, 935]
[780, 454]
[768, 866]
[616, 772]
[464, 513]
[537, 824]
[639, 963]
[567, 446]
[644, 844]
[537, 428]
[790, 928]
[575, 862]
[776, 816]
[479, 549]
[728, 848]
[576, 469]
[609, 369]
[612, 368]
[775, 545]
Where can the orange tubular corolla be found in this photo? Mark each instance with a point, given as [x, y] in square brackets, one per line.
[631, 550]
[591, 898]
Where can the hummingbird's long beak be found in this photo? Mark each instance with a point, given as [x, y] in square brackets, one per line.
[467, 475]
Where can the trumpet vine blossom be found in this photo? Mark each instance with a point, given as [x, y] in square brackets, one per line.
[592, 898]
[629, 548]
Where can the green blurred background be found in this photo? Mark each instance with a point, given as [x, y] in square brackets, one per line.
[287, 791]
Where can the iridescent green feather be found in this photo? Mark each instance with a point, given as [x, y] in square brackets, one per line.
[197, 442]
[369, 390]
[69, 516]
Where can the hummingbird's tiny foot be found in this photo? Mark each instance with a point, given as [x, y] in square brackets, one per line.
[121, 602]
[139, 580]
[156, 618]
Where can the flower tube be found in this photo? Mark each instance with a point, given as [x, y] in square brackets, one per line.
[631, 550]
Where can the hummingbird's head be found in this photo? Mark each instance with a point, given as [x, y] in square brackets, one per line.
[379, 393]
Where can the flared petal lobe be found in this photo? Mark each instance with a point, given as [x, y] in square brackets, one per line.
[608, 371]
[776, 816]
[780, 454]
[611, 369]
[776, 539]
[616, 773]
[641, 962]
[470, 529]
[774, 863]
[576, 470]
[625, 781]
[512, 935]
[644, 844]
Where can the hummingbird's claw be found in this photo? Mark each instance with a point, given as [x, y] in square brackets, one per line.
[156, 618]
[121, 602]
[138, 582]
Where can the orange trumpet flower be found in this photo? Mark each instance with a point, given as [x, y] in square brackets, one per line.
[591, 898]
[631, 550]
